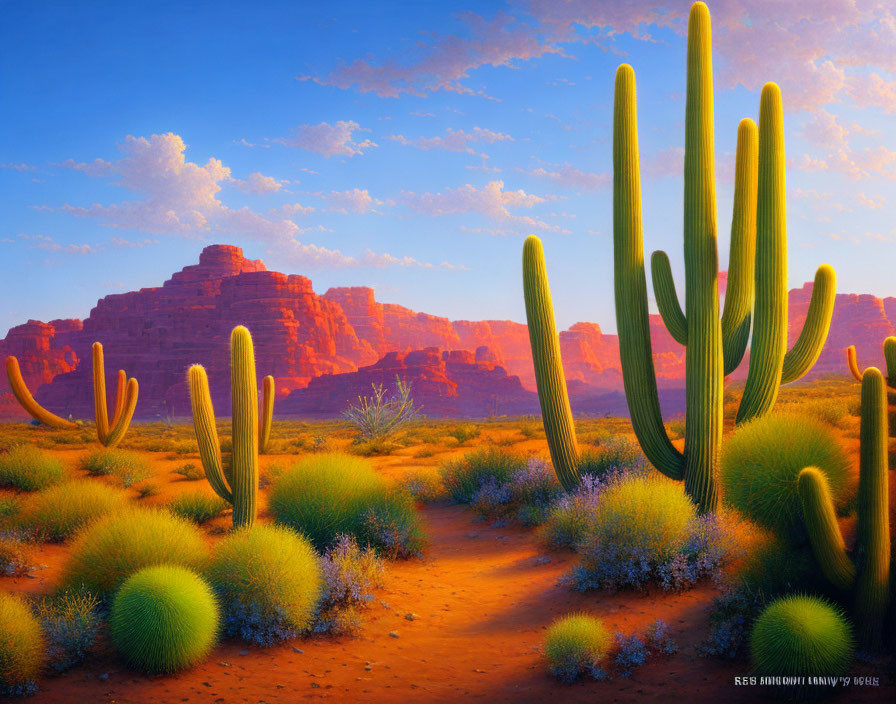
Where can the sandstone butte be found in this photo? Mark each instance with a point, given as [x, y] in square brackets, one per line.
[326, 349]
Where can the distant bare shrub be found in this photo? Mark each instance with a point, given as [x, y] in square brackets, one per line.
[377, 417]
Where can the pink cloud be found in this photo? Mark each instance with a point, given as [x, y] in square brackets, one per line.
[569, 176]
[329, 140]
[454, 140]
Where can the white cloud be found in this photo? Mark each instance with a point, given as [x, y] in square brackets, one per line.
[329, 140]
[257, 184]
[454, 140]
[569, 176]
[180, 197]
[355, 200]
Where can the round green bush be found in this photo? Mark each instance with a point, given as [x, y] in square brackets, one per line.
[197, 506]
[114, 547]
[650, 516]
[60, 511]
[129, 467]
[801, 636]
[21, 645]
[164, 618]
[327, 495]
[465, 476]
[29, 469]
[574, 644]
[761, 462]
[269, 581]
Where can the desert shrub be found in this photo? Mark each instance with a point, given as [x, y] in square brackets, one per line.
[147, 489]
[425, 486]
[114, 547]
[29, 469]
[60, 511]
[614, 453]
[658, 639]
[379, 416]
[574, 645]
[70, 622]
[801, 636]
[268, 580]
[350, 574]
[464, 432]
[373, 448]
[526, 496]
[127, 466]
[21, 646]
[631, 652]
[776, 566]
[568, 521]
[646, 529]
[325, 496]
[465, 476]
[163, 619]
[15, 554]
[197, 506]
[832, 411]
[9, 509]
[190, 472]
[761, 462]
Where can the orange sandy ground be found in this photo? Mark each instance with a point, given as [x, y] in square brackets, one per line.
[482, 601]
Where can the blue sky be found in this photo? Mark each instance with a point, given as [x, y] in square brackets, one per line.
[411, 146]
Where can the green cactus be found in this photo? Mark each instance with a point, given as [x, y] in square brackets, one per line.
[715, 347]
[111, 433]
[867, 576]
[240, 485]
[267, 414]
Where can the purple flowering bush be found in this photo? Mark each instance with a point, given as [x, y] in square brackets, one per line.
[350, 574]
[526, 495]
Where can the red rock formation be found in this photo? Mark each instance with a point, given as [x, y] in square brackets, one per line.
[156, 333]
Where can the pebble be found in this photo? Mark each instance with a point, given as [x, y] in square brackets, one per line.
[393, 634]
[298, 650]
[244, 652]
[104, 676]
[411, 617]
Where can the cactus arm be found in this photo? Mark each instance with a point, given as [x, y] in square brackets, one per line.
[551, 382]
[667, 298]
[704, 373]
[124, 420]
[244, 401]
[737, 312]
[207, 431]
[804, 353]
[770, 314]
[890, 357]
[24, 397]
[99, 394]
[852, 363]
[630, 284]
[824, 532]
[119, 397]
[267, 414]
[872, 595]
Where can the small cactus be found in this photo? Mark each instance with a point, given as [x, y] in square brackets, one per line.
[267, 414]
[110, 434]
[867, 574]
[889, 358]
[240, 486]
[24, 397]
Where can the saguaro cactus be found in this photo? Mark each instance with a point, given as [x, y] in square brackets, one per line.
[267, 414]
[889, 359]
[24, 397]
[240, 485]
[868, 574]
[110, 434]
[715, 346]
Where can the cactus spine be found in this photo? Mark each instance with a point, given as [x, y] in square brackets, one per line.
[110, 434]
[240, 486]
[267, 414]
[868, 576]
[757, 273]
[24, 397]
[889, 359]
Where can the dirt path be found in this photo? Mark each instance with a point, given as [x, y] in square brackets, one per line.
[482, 598]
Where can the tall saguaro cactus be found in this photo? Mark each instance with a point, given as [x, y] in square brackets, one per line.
[240, 486]
[715, 345]
[868, 575]
[24, 397]
[110, 434]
